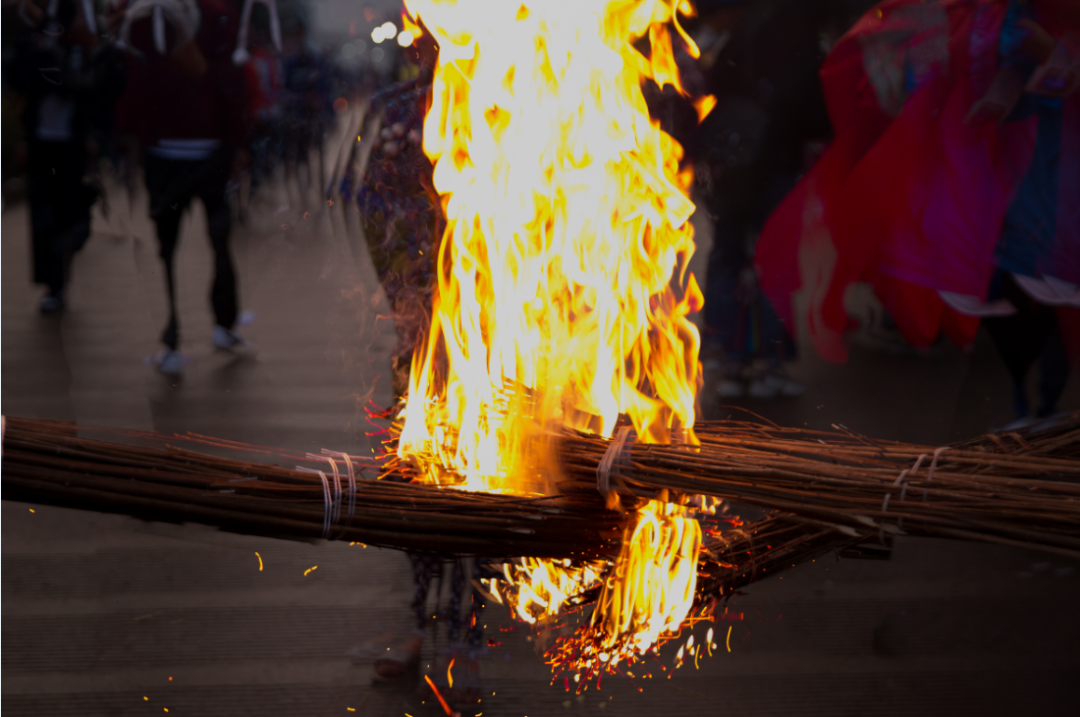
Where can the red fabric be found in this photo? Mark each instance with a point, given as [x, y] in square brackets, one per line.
[941, 217]
[263, 77]
[162, 102]
[921, 315]
[912, 203]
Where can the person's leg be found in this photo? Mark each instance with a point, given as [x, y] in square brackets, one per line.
[214, 195]
[163, 178]
[402, 658]
[723, 340]
[726, 262]
[775, 347]
[457, 588]
[424, 568]
[482, 570]
[1053, 373]
[56, 205]
[43, 223]
[1021, 337]
[470, 683]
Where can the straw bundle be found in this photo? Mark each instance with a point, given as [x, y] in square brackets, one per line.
[45, 462]
[825, 490]
[1018, 489]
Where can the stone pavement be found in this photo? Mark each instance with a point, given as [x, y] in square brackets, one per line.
[108, 615]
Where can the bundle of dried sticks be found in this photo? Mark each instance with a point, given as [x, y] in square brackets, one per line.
[825, 490]
[1017, 489]
[329, 497]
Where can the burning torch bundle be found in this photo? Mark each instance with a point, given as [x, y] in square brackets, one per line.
[551, 406]
[826, 490]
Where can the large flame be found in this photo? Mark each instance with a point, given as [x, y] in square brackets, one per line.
[563, 289]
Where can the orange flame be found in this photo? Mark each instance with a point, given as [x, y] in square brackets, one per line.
[652, 590]
[563, 289]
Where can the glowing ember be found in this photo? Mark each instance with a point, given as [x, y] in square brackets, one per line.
[563, 288]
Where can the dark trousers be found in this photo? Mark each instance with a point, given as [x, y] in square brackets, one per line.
[738, 317]
[1031, 334]
[427, 567]
[59, 209]
[172, 185]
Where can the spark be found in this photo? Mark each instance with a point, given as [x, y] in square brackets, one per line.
[260, 561]
[446, 707]
[308, 571]
[728, 642]
[31, 510]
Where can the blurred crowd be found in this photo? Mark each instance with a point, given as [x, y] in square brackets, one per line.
[196, 99]
[927, 149]
[924, 148]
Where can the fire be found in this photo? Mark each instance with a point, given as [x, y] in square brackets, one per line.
[563, 289]
[542, 588]
[652, 589]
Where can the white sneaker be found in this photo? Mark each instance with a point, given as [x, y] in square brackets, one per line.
[791, 389]
[731, 389]
[771, 386]
[51, 304]
[1018, 424]
[764, 387]
[170, 363]
[712, 364]
[227, 338]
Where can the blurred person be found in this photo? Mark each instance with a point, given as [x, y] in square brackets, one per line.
[185, 103]
[70, 80]
[400, 217]
[307, 102]
[1037, 253]
[402, 223]
[761, 59]
[264, 76]
[951, 186]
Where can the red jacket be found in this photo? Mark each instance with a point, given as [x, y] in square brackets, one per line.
[162, 102]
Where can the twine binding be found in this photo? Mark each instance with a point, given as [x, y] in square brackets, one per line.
[617, 455]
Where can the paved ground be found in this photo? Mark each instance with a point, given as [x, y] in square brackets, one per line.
[105, 615]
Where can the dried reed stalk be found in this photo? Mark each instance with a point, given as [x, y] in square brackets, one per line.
[45, 462]
[1022, 489]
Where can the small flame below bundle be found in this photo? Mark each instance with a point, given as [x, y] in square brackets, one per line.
[563, 290]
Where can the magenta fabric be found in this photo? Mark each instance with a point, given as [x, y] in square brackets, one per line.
[912, 203]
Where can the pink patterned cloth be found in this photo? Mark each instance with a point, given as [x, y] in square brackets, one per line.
[912, 195]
